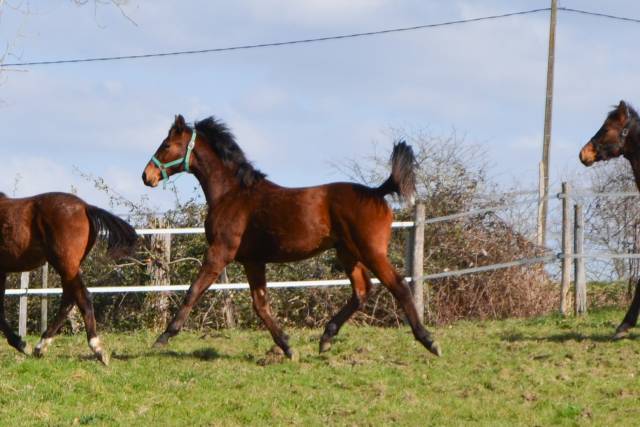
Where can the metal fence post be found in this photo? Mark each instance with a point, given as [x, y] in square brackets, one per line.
[22, 309]
[417, 260]
[565, 281]
[579, 273]
[44, 308]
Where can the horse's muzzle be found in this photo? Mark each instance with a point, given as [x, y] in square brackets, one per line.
[149, 178]
[588, 154]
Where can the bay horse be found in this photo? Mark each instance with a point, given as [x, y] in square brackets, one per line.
[254, 221]
[61, 229]
[619, 135]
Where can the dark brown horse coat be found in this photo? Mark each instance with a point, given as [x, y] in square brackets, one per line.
[255, 221]
[619, 135]
[60, 229]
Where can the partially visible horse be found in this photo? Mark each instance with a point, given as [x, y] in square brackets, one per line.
[619, 135]
[255, 221]
[61, 229]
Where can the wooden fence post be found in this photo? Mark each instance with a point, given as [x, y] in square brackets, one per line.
[417, 261]
[541, 195]
[44, 308]
[22, 309]
[566, 250]
[228, 310]
[158, 270]
[579, 273]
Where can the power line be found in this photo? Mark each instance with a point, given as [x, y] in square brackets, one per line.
[314, 40]
[274, 44]
[600, 15]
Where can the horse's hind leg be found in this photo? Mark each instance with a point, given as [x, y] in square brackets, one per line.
[12, 338]
[361, 285]
[73, 291]
[258, 284]
[66, 304]
[83, 300]
[382, 268]
[631, 318]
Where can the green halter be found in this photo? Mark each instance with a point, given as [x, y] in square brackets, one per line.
[185, 160]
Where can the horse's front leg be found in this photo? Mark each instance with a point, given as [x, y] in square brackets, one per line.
[258, 284]
[215, 260]
[12, 338]
[631, 318]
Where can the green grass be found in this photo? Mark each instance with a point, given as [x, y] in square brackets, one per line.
[546, 371]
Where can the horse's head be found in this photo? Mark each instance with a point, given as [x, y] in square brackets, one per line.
[611, 139]
[173, 156]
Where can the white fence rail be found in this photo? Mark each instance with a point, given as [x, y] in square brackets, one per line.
[416, 278]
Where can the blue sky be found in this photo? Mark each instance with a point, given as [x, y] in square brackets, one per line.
[295, 110]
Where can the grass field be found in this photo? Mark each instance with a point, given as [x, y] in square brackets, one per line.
[546, 371]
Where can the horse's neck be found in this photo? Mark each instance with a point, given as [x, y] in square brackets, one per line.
[632, 153]
[215, 179]
[635, 166]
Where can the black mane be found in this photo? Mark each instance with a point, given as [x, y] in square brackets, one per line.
[222, 141]
[2, 195]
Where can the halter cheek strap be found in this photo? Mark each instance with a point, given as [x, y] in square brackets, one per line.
[182, 160]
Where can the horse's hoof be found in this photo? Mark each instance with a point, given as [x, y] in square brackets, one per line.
[275, 350]
[38, 352]
[622, 331]
[325, 345]
[25, 348]
[160, 342]
[434, 348]
[103, 357]
[292, 355]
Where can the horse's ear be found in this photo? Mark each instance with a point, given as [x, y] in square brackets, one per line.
[179, 123]
[623, 110]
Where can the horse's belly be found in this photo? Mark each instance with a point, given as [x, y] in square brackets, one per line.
[271, 249]
[18, 251]
[25, 261]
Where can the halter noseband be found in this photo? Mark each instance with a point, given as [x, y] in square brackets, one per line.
[184, 160]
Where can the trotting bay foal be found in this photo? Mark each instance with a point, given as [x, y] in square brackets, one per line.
[255, 221]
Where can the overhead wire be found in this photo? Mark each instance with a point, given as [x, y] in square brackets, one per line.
[273, 44]
[311, 40]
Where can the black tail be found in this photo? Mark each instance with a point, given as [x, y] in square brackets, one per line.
[121, 237]
[403, 176]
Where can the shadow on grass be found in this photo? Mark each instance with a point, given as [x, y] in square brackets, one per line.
[563, 337]
[204, 354]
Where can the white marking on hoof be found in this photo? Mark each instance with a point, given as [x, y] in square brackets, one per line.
[26, 348]
[42, 345]
[94, 343]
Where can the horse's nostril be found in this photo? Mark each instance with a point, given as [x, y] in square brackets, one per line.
[144, 176]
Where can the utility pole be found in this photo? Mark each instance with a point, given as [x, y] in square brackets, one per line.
[544, 167]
